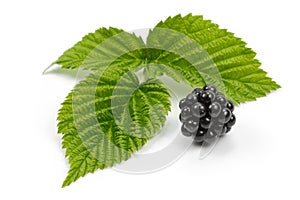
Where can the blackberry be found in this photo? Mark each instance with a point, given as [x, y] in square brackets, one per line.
[206, 113]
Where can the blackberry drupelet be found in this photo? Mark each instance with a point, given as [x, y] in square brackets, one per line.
[206, 113]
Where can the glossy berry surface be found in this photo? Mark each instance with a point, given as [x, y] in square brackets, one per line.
[205, 122]
[224, 116]
[191, 125]
[198, 110]
[206, 113]
[206, 97]
[230, 106]
[210, 88]
[186, 113]
[214, 109]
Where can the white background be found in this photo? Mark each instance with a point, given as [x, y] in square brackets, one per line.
[259, 159]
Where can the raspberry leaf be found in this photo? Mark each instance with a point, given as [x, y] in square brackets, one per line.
[107, 117]
[240, 77]
[99, 49]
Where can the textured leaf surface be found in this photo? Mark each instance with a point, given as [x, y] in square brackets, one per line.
[99, 49]
[238, 69]
[106, 118]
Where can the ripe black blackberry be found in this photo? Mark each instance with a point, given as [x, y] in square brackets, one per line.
[206, 113]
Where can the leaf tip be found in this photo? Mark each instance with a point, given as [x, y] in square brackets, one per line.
[67, 182]
[46, 70]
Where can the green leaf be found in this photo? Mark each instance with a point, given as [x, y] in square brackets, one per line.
[240, 77]
[98, 50]
[109, 116]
